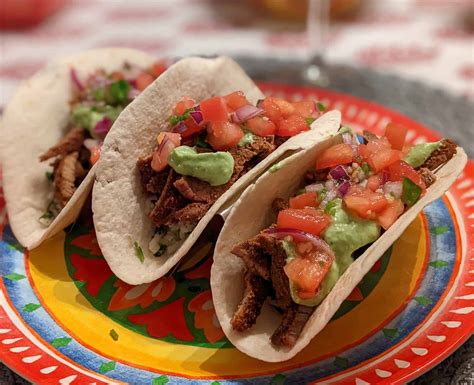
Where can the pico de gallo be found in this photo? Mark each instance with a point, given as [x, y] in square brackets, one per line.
[357, 189]
[95, 104]
[206, 147]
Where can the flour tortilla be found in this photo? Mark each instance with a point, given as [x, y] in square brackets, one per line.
[120, 206]
[252, 213]
[36, 119]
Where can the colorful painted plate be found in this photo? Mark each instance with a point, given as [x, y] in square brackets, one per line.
[65, 318]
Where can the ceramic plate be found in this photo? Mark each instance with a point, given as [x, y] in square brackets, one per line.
[65, 318]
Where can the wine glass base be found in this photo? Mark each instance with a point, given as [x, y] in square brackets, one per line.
[315, 75]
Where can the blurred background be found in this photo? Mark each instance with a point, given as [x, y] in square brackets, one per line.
[426, 40]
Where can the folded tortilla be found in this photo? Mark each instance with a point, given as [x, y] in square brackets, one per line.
[120, 206]
[253, 213]
[36, 119]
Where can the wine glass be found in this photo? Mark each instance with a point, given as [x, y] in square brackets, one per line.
[317, 28]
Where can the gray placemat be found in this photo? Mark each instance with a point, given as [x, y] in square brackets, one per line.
[450, 115]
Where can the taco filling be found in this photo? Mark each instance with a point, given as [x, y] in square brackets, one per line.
[205, 149]
[95, 104]
[357, 189]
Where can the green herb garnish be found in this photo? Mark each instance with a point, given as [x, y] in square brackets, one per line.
[321, 106]
[99, 94]
[118, 92]
[411, 192]
[138, 251]
[330, 207]
[246, 139]
[113, 334]
[309, 121]
[175, 119]
[322, 194]
[366, 168]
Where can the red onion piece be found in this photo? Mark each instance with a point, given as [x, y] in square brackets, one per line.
[133, 93]
[343, 188]
[75, 80]
[179, 128]
[102, 127]
[339, 172]
[197, 116]
[347, 138]
[90, 143]
[394, 188]
[300, 236]
[197, 108]
[245, 113]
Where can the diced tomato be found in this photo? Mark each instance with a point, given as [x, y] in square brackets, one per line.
[383, 158]
[167, 142]
[307, 199]
[261, 126]
[224, 135]
[305, 108]
[363, 151]
[158, 68]
[95, 154]
[214, 110]
[117, 75]
[286, 107]
[396, 135]
[174, 137]
[335, 155]
[235, 100]
[292, 126]
[391, 213]
[365, 203]
[272, 111]
[191, 127]
[308, 219]
[400, 169]
[184, 104]
[373, 182]
[378, 144]
[308, 271]
[143, 80]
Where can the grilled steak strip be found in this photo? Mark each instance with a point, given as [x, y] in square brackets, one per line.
[64, 177]
[440, 156]
[70, 143]
[256, 290]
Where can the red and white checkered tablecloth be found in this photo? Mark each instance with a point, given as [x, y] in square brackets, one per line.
[415, 39]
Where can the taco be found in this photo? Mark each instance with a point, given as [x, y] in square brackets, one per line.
[52, 131]
[298, 241]
[180, 151]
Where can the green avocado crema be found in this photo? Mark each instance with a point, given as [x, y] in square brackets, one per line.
[419, 153]
[87, 117]
[344, 235]
[248, 138]
[215, 168]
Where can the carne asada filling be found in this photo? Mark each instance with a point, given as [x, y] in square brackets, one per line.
[290, 262]
[204, 151]
[95, 104]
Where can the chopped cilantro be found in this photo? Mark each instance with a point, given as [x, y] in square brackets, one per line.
[321, 106]
[49, 175]
[138, 251]
[113, 334]
[329, 209]
[118, 92]
[99, 94]
[411, 192]
[322, 194]
[175, 119]
[248, 138]
[309, 121]
[366, 168]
